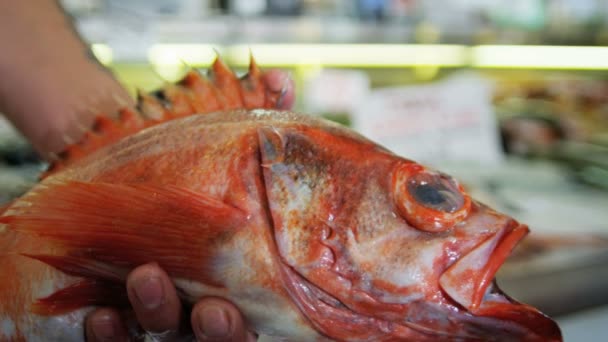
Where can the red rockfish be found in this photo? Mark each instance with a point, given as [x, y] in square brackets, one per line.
[313, 231]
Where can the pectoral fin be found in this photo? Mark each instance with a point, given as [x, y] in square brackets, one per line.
[87, 292]
[100, 230]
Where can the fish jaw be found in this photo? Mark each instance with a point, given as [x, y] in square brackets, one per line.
[467, 280]
[470, 282]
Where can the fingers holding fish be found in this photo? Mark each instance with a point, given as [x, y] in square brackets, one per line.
[155, 304]
[154, 299]
[158, 311]
[214, 319]
[105, 325]
[281, 82]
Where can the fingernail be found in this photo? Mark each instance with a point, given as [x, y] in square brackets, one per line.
[280, 82]
[214, 323]
[149, 291]
[281, 98]
[104, 329]
[284, 89]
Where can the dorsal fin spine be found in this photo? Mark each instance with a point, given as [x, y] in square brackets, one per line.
[194, 94]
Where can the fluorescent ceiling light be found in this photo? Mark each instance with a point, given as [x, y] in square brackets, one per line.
[361, 55]
[545, 57]
[180, 54]
[376, 55]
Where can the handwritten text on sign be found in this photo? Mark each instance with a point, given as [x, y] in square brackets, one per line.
[447, 121]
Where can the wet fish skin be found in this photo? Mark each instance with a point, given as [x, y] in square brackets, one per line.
[313, 231]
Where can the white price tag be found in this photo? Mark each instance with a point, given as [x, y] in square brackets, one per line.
[451, 120]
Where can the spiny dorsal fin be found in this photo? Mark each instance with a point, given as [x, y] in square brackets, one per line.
[194, 94]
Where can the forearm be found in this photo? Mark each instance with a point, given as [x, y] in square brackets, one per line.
[51, 86]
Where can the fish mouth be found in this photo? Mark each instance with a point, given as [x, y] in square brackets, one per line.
[467, 281]
[470, 282]
[488, 313]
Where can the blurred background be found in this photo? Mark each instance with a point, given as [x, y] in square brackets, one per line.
[511, 97]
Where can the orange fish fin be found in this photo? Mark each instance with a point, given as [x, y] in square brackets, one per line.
[205, 96]
[253, 91]
[180, 99]
[227, 83]
[5, 206]
[152, 106]
[104, 131]
[194, 94]
[98, 229]
[86, 292]
[81, 267]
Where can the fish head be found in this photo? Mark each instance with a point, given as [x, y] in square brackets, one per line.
[377, 247]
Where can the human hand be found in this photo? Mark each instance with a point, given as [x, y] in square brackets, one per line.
[158, 310]
[280, 81]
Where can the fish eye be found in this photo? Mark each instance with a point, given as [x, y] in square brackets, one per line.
[436, 191]
[428, 200]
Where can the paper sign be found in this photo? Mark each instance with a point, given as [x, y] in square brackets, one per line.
[336, 91]
[451, 120]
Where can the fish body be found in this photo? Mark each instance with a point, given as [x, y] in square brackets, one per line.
[313, 231]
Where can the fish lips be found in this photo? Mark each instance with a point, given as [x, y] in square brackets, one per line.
[470, 283]
[467, 280]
